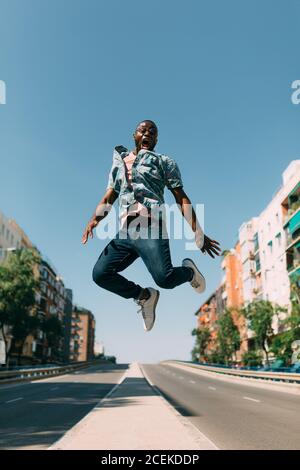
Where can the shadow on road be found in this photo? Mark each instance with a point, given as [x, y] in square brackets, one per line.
[49, 409]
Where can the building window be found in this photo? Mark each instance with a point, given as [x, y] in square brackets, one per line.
[270, 245]
[278, 236]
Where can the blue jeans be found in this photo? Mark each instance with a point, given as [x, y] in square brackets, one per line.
[121, 253]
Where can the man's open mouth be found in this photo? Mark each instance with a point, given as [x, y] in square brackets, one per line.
[146, 142]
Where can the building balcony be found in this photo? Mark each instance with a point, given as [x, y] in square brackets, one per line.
[292, 211]
[76, 319]
[291, 241]
[292, 221]
[294, 266]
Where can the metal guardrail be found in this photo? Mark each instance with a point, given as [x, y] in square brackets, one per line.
[263, 375]
[35, 374]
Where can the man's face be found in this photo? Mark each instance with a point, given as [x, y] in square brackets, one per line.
[145, 136]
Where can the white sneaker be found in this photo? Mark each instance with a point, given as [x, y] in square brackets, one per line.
[198, 281]
[148, 308]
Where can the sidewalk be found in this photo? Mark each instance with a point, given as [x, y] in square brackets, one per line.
[133, 416]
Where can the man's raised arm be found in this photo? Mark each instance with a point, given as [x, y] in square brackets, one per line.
[204, 243]
[101, 211]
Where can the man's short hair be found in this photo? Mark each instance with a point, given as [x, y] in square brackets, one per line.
[147, 120]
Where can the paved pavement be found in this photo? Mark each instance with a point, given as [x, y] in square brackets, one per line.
[134, 417]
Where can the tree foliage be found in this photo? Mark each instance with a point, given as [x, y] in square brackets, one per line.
[260, 316]
[228, 336]
[53, 329]
[202, 340]
[282, 344]
[18, 285]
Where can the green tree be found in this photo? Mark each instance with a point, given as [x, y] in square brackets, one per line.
[252, 358]
[282, 343]
[295, 288]
[201, 343]
[228, 336]
[18, 285]
[216, 357]
[260, 316]
[53, 329]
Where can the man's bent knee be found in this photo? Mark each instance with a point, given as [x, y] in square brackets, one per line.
[164, 282]
[99, 275]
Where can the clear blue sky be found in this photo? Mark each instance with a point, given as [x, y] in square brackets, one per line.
[214, 75]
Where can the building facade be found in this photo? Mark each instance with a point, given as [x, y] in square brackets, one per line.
[264, 261]
[50, 299]
[82, 335]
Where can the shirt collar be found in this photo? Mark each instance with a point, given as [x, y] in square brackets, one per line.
[121, 152]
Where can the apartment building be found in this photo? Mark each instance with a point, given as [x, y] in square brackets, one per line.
[270, 249]
[291, 225]
[208, 314]
[82, 335]
[277, 238]
[10, 237]
[51, 300]
[265, 259]
[68, 310]
[50, 296]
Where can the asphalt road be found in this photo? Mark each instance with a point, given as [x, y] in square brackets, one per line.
[233, 416]
[34, 415]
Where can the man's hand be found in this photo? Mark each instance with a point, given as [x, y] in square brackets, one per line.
[89, 230]
[101, 211]
[210, 246]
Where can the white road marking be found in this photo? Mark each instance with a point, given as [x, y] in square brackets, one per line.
[192, 382]
[55, 388]
[212, 388]
[16, 399]
[251, 399]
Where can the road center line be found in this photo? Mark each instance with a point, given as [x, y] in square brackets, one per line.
[212, 388]
[16, 399]
[251, 399]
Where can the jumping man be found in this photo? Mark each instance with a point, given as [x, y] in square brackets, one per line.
[138, 179]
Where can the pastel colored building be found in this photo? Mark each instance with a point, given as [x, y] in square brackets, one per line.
[265, 259]
[82, 340]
